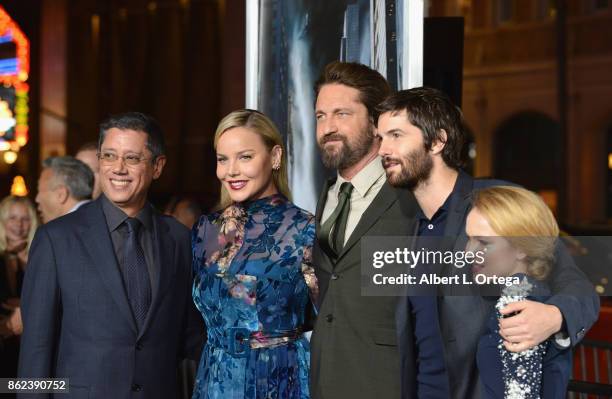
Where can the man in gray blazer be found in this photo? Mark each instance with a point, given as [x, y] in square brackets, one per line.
[354, 346]
[107, 292]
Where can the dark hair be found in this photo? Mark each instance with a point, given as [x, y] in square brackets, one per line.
[139, 122]
[191, 204]
[89, 146]
[372, 86]
[431, 111]
[73, 174]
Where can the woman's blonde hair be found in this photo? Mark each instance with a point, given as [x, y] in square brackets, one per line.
[523, 218]
[5, 206]
[265, 128]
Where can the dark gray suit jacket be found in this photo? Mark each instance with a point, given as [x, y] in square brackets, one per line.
[354, 350]
[77, 319]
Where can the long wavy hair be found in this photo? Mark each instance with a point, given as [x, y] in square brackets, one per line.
[265, 128]
[5, 206]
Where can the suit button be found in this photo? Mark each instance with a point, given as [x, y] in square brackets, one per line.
[335, 276]
[329, 318]
[136, 388]
[139, 346]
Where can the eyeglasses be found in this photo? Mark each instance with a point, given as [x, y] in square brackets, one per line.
[130, 159]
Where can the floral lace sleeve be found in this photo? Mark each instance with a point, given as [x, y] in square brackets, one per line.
[231, 224]
[217, 238]
[307, 268]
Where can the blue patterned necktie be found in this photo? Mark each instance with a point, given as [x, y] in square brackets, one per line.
[136, 273]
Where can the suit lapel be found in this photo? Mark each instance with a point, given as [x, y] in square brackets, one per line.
[455, 224]
[460, 206]
[97, 240]
[323, 200]
[324, 260]
[163, 268]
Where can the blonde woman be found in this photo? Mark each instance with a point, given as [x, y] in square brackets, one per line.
[252, 270]
[517, 233]
[18, 223]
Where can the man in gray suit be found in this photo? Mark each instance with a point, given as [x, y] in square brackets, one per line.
[354, 347]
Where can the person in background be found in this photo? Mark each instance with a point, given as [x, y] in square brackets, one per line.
[184, 209]
[64, 185]
[18, 223]
[253, 273]
[88, 154]
[516, 231]
[187, 212]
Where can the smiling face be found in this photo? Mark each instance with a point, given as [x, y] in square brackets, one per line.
[17, 223]
[501, 259]
[125, 185]
[406, 160]
[344, 132]
[244, 164]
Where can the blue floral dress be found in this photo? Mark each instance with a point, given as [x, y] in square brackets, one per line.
[253, 285]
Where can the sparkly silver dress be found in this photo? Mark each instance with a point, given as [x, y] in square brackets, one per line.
[539, 372]
[522, 372]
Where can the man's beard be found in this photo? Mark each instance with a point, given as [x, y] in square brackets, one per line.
[348, 154]
[415, 168]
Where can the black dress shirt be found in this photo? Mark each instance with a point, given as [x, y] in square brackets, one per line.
[119, 231]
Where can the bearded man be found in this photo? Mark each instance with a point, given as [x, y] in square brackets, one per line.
[354, 350]
[422, 143]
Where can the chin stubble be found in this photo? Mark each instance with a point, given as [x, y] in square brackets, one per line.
[348, 154]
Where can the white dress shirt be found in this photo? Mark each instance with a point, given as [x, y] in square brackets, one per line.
[367, 183]
[78, 205]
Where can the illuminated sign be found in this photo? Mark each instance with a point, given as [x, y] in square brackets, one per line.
[14, 70]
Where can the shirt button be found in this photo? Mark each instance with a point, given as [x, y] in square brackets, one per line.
[329, 318]
[430, 226]
[136, 388]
